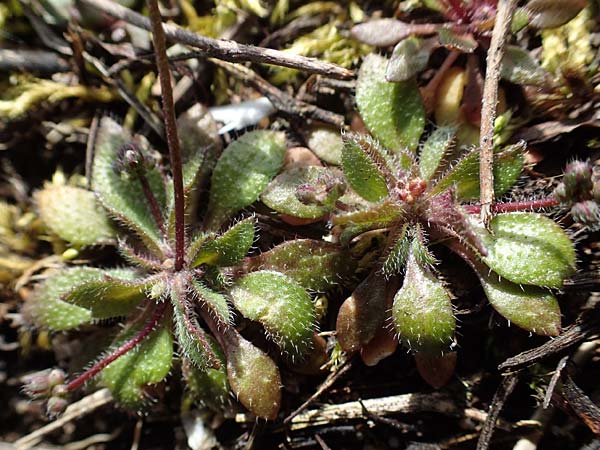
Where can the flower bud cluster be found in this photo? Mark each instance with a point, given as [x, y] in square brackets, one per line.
[48, 384]
[325, 191]
[580, 191]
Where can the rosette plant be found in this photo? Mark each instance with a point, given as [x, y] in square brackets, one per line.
[415, 193]
[170, 295]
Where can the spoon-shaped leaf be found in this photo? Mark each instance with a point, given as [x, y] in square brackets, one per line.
[242, 172]
[410, 56]
[422, 311]
[47, 309]
[281, 305]
[529, 307]
[362, 314]
[528, 248]
[553, 13]
[73, 214]
[122, 193]
[253, 376]
[393, 112]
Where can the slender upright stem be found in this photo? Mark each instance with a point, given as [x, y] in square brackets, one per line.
[148, 328]
[490, 104]
[162, 62]
[152, 202]
[527, 205]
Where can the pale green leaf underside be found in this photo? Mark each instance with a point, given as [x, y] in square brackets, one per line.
[242, 172]
[148, 363]
[281, 305]
[73, 214]
[122, 194]
[393, 112]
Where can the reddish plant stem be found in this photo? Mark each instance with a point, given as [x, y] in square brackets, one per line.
[528, 205]
[162, 62]
[151, 198]
[149, 327]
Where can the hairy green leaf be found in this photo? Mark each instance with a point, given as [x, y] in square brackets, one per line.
[47, 309]
[73, 214]
[283, 193]
[148, 363]
[208, 387]
[315, 265]
[422, 311]
[361, 162]
[227, 249]
[253, 376]
[529, 307]
[508, 165]
[122, 193]
[528, 248]
[112, 295]
[242, 172]
[434, 150]
[216, 302]
[464, 43]
[393, 112]
[281, 305]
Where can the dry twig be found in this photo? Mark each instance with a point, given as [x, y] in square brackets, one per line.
[490, 102]
[224, 49]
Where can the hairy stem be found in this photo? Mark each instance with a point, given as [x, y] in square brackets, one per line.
[148, 328]
[527, 205]
[158, 36]
[490, 104]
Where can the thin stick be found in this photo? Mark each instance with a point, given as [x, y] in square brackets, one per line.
[84, 406]
[504, 390]
[160, 47]
[224, 49]
[129, 345]
[332, 378]
[489, 105]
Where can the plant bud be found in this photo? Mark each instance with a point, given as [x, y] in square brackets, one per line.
[578, 180]
[130, 158]
[560, 193]
[56, 406]
[40, 384]
[586, 212]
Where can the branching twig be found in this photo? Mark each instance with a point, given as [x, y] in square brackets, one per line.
[489, 105]
[224, 49]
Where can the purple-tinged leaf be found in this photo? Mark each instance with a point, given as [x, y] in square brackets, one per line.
[362, 314]
[465, 43]
[386, 32]
[553, 13]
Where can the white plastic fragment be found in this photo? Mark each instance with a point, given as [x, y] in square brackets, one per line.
[241, 115]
